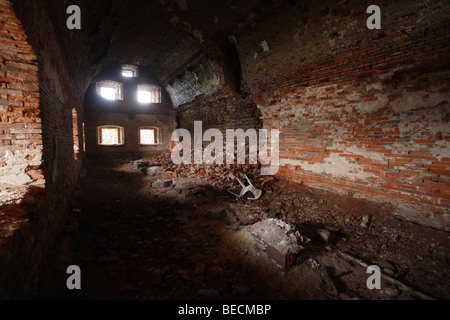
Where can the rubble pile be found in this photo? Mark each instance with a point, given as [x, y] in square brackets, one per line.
[334, 223]
[219, 175]
[140, 241]
[280, 240]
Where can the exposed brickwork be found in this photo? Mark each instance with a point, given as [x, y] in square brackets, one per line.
[38, 116]
[363, 112]
[20, 123]
[223, 110]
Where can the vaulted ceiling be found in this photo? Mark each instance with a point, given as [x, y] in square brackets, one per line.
[163, 35]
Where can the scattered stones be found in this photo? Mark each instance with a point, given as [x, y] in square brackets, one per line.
[140, 164]
[192, 270]
[187, 188]
[277, 239]
[324, 234]
[312, 263]
[365, 221]
[162, 183]
[155, 171]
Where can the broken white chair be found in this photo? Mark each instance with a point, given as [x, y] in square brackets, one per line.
[250, 188]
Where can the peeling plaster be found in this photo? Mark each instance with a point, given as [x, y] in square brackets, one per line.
[334, 165]
[414, 100]
[17, 163]
[440, 150]
[372, 106]
[374, 86]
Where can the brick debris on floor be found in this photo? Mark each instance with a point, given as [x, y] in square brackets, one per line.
[171, 231]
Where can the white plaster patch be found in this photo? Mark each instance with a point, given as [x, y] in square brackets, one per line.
[414, 100]
[265, 46]
[373, 155]
[440, 150]
[18, 180]
[333, 165]
[14, 172]
[434, 124]
[371, 106]
[374, 86]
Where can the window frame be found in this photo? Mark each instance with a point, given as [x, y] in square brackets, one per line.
[154, 90]
[156, 135]
[120, 135]
[116, 85]
[129, 67]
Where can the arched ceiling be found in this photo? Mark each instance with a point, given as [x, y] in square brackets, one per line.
[163, 35]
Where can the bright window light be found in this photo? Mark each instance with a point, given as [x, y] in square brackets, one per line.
[110, 135]
[147, 136]
[144, 96]
[108, 93]
[128, 73]
[148, 93]
[110, 90]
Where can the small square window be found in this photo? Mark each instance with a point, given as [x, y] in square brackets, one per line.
[144, 96]
[129, 71]
[110, 135]
[108, 93]
[149, 93]
[110, 90]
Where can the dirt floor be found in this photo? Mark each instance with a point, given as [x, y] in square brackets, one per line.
[186, 237]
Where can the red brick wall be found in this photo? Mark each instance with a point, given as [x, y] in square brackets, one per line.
[224, 109]
[20, 123]
[362, 112]
[37, 97]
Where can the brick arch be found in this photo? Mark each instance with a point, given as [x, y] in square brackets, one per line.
[20, 118]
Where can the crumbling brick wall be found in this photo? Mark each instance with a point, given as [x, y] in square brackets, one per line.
[225, 109]
[38, 94]
[20, 130]
[212, 94]
[362, 112]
